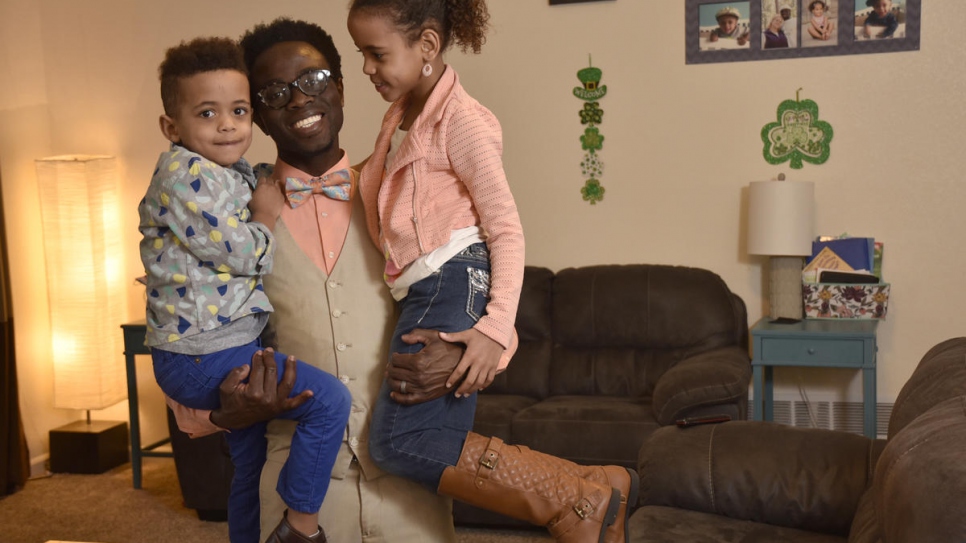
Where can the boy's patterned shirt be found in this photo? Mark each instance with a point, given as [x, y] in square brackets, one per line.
[203, 259]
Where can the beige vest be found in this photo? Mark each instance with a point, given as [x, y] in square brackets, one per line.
[341, 323]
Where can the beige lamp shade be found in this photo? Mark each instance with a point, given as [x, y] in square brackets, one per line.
[781, 218]
[780, 224]
[79, 204]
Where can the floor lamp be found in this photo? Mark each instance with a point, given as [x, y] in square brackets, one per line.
[79, 204]
[781, 226]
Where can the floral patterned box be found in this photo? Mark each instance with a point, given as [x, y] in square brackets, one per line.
[845, 301]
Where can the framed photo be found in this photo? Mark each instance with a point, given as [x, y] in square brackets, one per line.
[556, 2]
[723, 31]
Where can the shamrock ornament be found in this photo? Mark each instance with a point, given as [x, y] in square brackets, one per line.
[797, 135]
[592, 191]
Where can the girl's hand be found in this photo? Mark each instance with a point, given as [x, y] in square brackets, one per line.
[479, 362]
[267, 201]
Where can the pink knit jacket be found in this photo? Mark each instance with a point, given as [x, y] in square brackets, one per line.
[447, 174]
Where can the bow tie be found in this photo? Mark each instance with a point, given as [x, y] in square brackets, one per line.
[298, 189]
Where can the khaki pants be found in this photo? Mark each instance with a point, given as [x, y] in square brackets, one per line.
[388, 509]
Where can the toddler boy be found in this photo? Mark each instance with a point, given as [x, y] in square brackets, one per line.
[207, 240]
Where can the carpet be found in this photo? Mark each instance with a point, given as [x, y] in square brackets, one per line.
[106, 508]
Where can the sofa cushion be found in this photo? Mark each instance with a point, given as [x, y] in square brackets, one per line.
[495, 413]
[795, 477]
[641, 318]
[529, 370]
[667, 524]
[585, 429]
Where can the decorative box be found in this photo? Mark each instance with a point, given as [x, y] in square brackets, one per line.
[845, 301]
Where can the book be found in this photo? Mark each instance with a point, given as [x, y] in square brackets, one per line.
[829, 260]
[856, 252]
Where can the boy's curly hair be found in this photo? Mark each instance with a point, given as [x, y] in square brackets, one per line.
[283, 29]
[193, 57]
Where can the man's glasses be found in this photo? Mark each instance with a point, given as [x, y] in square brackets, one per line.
[278, 95]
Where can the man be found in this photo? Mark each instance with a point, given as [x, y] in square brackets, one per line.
[332, 309]
[790, 26]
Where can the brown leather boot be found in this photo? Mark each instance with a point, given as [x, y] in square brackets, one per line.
[284, 533]
[624, 480]
[527, 485]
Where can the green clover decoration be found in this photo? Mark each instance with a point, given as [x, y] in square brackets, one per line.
[591, 114]
[797, 135]
[592, 191]
[592, 140]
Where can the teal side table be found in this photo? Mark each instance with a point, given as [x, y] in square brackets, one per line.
[833, 343]
[134, 334]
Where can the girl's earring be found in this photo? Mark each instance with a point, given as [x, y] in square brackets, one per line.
[427, 70]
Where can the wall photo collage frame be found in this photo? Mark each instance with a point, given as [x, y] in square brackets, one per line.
[738, 30]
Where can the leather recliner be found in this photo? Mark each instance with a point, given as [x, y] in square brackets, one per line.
[765, 482]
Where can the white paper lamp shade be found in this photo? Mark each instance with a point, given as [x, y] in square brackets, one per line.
[780, 218]
[79, 202]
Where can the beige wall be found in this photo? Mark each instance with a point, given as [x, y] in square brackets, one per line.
[682, 143]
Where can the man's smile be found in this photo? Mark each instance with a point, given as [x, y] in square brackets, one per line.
[307, 122]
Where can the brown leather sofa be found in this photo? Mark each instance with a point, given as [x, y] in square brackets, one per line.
[764, 482]
[609, 354]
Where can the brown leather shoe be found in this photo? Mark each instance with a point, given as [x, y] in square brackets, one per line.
[284, 533]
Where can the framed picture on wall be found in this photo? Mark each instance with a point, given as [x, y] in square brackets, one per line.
[723, 31]
[556, 2]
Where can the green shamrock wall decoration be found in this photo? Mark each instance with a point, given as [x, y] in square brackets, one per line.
[798, 135]
[592, 141]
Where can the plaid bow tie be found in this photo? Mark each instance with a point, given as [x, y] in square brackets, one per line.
[297, 189]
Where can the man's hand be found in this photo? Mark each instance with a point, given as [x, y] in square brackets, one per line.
[425, 373]
[244, 404]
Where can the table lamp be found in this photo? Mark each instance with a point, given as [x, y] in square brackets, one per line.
[79, 204]
[781, 226]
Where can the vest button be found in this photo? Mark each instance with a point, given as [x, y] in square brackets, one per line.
[341, 346]
[337, 313]
[333, 284]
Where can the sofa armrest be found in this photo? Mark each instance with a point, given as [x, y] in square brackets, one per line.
[760, 471]
[715, 377]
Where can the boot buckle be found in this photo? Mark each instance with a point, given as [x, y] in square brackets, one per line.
[583, 508]
[489, 459]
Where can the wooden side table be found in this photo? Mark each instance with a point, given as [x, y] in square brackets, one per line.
[134, 333]
[834, 343]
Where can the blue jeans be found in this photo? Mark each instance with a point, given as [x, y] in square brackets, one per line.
[193, 381]
[419, 441]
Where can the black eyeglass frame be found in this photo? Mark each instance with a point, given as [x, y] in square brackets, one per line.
[286, 88]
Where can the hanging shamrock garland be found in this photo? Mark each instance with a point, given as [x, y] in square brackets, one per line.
[591, 167]
[797, 135]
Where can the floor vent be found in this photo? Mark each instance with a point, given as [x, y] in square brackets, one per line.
[829, 415]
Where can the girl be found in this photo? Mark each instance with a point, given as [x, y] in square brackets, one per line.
[438, 204]
[821, 27]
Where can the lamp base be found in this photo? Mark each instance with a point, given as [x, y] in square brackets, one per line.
[94, 447]
[785, 287]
